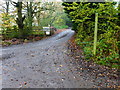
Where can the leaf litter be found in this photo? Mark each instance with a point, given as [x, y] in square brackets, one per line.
[103, 76]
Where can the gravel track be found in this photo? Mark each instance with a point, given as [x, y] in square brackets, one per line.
[41, 64]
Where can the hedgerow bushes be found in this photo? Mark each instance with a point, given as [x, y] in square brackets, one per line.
[108, 40]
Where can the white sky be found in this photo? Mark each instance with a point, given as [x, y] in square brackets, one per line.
[3, 1]
[35, 0]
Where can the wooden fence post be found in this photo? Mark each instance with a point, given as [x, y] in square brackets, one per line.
[95, 33]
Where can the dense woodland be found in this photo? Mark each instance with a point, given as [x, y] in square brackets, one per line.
[82, 14]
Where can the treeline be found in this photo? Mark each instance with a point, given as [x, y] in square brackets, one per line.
[20, 19]
[82, 14]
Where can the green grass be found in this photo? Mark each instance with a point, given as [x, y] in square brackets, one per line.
[61, 26]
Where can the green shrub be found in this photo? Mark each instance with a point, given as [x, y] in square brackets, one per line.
[107, 52]
[4, 43]
[38, 33]
[82, 15]
[61, 26]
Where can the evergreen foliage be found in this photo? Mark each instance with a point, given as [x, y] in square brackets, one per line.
[82, 15]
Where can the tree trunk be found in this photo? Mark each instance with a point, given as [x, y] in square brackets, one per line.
[7, 7]
[20, 19]
[29, 16]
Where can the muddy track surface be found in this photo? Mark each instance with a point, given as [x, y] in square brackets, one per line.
[41, 64]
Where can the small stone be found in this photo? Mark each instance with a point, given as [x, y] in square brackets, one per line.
[63, 79]
[11, 79]
[43, 72]
[32, 55]
[61, 65]
[25, 83]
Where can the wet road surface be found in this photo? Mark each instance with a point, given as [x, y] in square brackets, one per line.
[40, 64]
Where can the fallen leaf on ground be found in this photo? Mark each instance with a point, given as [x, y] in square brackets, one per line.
[61, 65]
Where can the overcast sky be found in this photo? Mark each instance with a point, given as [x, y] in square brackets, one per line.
[3, 1]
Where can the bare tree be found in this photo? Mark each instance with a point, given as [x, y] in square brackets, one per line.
[5, 6]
